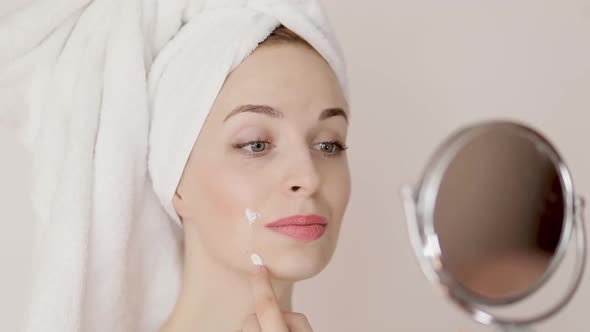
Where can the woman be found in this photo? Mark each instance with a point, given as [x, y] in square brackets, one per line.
[274, 142]
[142, 113]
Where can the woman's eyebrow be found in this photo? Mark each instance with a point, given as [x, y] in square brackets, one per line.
[274, 113]
[332, 112]
[262, 109]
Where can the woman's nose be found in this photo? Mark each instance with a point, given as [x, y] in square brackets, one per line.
[303, 178]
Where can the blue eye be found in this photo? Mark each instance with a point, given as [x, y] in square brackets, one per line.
[328, 147]
[257, 146]
[331, 148]
[253, 148]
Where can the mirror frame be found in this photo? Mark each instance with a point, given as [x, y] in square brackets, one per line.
[420, 206]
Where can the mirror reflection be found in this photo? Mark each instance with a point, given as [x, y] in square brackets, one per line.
[499, 214]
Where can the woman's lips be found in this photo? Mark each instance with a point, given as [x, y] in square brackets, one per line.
[300, 227]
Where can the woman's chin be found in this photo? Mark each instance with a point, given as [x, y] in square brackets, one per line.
[296, 266]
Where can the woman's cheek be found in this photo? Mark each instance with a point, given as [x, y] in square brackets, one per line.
[229, 194]
[218, 217]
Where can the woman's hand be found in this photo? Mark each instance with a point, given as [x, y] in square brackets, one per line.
[268, 316]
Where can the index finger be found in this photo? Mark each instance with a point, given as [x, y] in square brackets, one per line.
[267, 308]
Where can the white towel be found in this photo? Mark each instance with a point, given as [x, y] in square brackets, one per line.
[109, 97]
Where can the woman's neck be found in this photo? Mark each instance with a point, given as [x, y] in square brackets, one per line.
[215, 297]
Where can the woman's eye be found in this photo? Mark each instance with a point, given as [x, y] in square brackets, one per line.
[257, 146]
[328, 147]
[331, 148]
[253, 148]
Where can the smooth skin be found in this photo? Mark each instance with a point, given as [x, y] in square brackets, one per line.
[268, 316]
[281, 159]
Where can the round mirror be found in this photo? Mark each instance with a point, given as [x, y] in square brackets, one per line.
[500, 213]
[492, 216]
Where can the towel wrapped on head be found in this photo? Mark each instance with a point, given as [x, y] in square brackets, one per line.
[109, 97]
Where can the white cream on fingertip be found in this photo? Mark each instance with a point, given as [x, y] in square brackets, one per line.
[251, 216]
[256, 260]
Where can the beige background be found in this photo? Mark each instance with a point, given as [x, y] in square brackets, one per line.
[419, 70]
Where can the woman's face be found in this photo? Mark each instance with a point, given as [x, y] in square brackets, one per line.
[279, 155]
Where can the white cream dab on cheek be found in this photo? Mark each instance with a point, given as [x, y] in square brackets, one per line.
[251, 216]
[256, 260]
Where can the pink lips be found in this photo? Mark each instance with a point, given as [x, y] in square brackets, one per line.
[300, 227]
